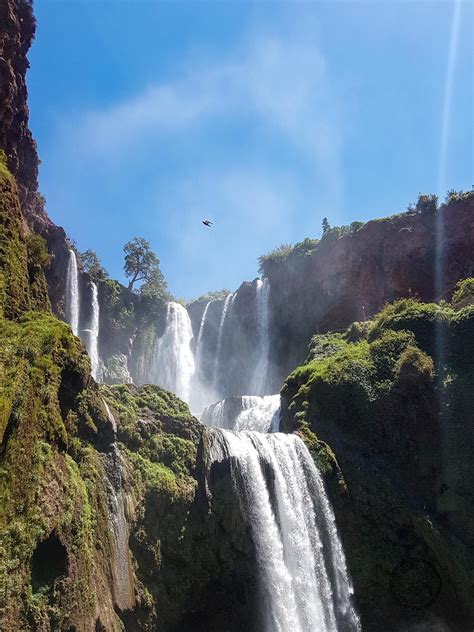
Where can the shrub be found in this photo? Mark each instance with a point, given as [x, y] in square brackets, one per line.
[386, 351]
[414, 368]
[427, 321]
[427, 203]
[463, 294]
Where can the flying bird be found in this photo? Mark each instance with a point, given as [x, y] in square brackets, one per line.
[207, 223]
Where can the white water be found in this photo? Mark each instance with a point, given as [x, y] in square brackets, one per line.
[260, 376]
[303, 578]
[123, 583]
[72, 293]
[258, 413]
[92, 342]
[198, 351]
[225, 308]
[173, 361]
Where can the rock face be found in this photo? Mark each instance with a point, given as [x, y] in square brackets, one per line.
[349, 278]
[18, 29]
[392, 400]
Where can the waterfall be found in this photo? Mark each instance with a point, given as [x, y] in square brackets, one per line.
[259, 381]
[225, 308]
[259, 413]
[123, 583]
[303, 578]
[247, 412]
[93, 333]
[173, 361]
[72, 293]
[198, 350]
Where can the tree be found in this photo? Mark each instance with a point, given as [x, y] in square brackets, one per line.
[93, 266]
[141, 264]
[326, 226]
[155, 286]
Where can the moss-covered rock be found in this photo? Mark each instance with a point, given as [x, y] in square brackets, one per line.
[396, 409]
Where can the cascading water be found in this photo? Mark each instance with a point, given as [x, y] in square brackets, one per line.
[92, 342]
[248, 412]
[225, 308]
[123, 583]
[303, 577]
[72, 293]
[173, 360]
[260, 413]
[260, 375]
[198, 350]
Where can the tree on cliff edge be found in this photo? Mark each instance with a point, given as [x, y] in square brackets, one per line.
[141, 264]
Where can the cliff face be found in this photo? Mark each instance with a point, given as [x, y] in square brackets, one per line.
[17, 33]
[391, 398]
[349, 278]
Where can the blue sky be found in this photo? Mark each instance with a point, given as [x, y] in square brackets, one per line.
[262, 116]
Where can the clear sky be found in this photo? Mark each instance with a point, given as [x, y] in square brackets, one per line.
[261, 116]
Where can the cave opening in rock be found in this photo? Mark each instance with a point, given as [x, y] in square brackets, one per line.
[48, 563]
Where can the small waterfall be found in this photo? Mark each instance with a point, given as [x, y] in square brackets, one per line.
[72, 293]
[198, 351]
[247, 412]
[260, 413]
[123, 582]
[260, 376]
[93, 333]
[173, 361]
[303, 577]
[225, 308]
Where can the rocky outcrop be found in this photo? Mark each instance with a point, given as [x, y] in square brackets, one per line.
[391, 400]
[348, 278]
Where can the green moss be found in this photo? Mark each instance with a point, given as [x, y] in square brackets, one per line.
[427, 321]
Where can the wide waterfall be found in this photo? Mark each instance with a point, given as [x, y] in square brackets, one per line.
[92, 340]
[173, 361]
[261, 369]
[303, 578]
[72, 293]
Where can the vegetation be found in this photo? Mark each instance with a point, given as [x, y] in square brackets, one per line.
[392, 397]
[212, 296]
[141, 264]
[93, 266]
[463, 294]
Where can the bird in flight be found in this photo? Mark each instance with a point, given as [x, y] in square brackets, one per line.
[207, 223]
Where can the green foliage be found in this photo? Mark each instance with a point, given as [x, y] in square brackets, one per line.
[305, 247]
[463, 294]
[386, 351]
[427, 321]
[355, 226]
[454, 196]
[154, 287]
[4, 172]
[37, 251]
[93, 266]
[277, 255]
[426, 203]
[414, 367]
[141, 264]
[213, 296]
[358, 331]
[325, 226]
[323, 345]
